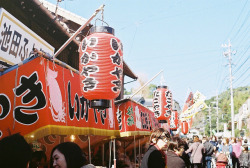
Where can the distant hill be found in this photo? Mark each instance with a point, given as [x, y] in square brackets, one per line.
[241, 94]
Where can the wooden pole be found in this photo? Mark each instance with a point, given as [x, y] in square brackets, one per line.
[78, 31]
[146, 84]
[89, 150]
[103, 148]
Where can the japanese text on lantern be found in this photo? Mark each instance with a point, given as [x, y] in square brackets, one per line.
[117, 60]
[168, 106]
[90, 83]
[157, 103]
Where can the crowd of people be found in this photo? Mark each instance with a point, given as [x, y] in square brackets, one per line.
[164, 151]
[175, 152]
[15, 152]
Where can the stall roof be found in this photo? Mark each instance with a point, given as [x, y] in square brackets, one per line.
[38, 18]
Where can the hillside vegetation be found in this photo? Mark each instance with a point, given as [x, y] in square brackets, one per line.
[241, 94]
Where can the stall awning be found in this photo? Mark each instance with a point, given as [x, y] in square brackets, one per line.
[40, 98]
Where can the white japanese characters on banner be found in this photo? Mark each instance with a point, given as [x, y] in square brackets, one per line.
[17, 40]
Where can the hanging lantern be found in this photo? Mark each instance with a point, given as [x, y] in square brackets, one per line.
[100, 66]
[162, 104]
[184, 127]
[174, 120]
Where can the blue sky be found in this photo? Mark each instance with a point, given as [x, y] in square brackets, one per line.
[183, 37]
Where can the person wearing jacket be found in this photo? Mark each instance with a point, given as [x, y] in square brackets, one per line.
[227, 149]
[236, 146]
[155, 155]
[244, 158]
[197, 150]
[209, 150]
[174, 154]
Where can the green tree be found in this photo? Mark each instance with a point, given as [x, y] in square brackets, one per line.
[241, 94]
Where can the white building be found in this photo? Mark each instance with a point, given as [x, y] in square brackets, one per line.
[244, 115]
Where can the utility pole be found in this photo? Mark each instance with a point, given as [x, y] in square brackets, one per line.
[228, 54]
[217, 110]
[210, 123]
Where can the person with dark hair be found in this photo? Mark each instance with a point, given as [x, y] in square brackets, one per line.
[67, 155]
[244, 158]
[15, 152]
[174, 154]
[155, 155]
[184, 155]
[38, 160]
[197, 149]
[214, 142]
[209, 150]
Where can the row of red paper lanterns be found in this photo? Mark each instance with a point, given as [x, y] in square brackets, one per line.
[163, 112]
[101, 73]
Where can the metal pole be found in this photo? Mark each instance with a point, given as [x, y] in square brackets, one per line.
[217, 110]
[229, 54]
[139, 159]
[210, 123]
[146, 84]
[135, 150]
[78, 31]
[114, 154]
[231, 89]
[110, 146]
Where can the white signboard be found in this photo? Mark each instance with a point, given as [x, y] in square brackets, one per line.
[17, 40]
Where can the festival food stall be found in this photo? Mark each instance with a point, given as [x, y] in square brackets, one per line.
[41, 97]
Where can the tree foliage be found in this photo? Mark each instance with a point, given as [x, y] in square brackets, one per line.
[241, 94]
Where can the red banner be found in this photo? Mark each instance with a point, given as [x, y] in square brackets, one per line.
[134, 119]
[41, 98]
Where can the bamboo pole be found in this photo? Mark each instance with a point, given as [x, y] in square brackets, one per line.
[89, 150]
[146, 84]
[78, 31]
[63, 64]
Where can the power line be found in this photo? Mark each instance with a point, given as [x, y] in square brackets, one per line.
[242, 63]
[244, 80]
[241, 25]
[237, 19]
[242, 75]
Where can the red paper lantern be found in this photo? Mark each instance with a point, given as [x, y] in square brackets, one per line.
[174, 120]
[184, 127]
[162, 103]
[101, 66]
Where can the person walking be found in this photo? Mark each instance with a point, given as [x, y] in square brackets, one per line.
[227, 149]
[244, 158]
[214, 142]
[197, 150]
[209, 150]
[174, 154]
[155, 155]
[236, 151]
